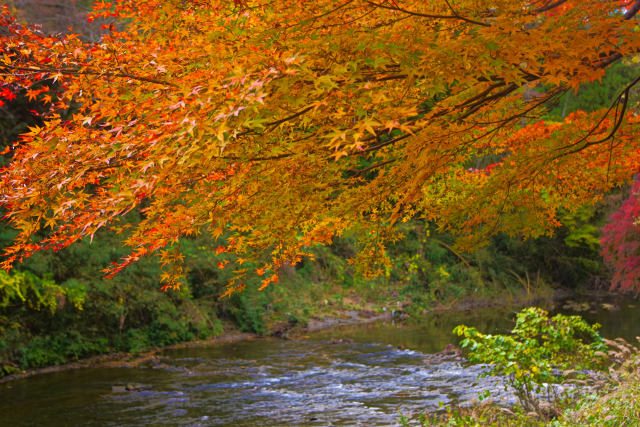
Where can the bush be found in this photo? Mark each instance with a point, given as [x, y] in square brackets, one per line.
[538, 351]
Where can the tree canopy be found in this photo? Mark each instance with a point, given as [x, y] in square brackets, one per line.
[279, 125]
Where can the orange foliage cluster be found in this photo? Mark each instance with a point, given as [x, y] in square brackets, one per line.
[282, 124]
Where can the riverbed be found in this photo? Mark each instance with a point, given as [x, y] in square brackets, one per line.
[366, 375]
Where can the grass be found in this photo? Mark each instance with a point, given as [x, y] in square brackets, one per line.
[617, 405]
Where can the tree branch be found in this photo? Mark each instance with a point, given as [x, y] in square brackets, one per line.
[74, 72]
[549, 6]
[633, 10]
[427, 15]
[622, 99]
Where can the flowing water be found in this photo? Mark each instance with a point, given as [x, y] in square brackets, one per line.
[357, 376]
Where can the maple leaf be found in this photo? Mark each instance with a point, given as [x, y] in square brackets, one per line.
[7, 94]
[56, 76]
[32, 94]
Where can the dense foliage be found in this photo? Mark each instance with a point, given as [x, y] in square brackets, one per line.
[281, 126]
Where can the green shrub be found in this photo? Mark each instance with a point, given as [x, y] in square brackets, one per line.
[537, 352]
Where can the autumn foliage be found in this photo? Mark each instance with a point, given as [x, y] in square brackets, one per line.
[279, 125]
[621, 242]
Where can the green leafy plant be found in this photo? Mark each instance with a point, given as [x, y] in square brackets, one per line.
[38, 293]
[538, 351]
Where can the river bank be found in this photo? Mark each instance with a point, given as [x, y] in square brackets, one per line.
[123, 359]
[339, 319]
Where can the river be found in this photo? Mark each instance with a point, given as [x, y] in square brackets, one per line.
[365, 375]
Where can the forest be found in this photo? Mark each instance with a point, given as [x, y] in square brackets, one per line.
[176, 174]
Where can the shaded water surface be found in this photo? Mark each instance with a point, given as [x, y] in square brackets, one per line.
[356, 376]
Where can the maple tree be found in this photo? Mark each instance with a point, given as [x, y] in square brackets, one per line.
[279, 125]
